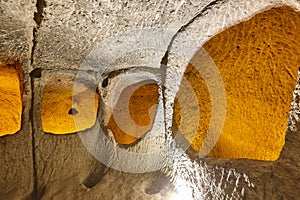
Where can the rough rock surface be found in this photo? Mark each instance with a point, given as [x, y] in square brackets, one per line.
[263, 53]
[10, 98]
[139, 103]
[67, 106]
[37, 165]
[16, 158]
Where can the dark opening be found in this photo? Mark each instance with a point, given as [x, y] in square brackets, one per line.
[105, 83]
[73, 111]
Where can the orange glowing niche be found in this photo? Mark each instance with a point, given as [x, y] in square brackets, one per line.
[258, 61]
[131, 119]
[11, 78]
[65, 111]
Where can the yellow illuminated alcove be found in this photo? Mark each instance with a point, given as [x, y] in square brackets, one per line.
[64, 111]
[10, 98]
[129, 127]
[258, 61]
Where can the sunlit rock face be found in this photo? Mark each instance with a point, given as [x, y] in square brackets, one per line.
[258, 61]
[11, 81]
[67, 106]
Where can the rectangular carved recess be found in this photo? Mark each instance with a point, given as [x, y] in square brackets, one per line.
[11, 78]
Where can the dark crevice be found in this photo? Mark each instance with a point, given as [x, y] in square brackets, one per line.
[112, 74]
[182, 28]
[31, 117]
[201, 13]
[36, 73]
[38, 18]
[163, 68]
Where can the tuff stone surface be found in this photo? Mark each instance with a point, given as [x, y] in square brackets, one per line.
[37, 165]
[16, 158]
[70, 30]
[258, 62]
[182, 50]
[11, 78]
[69, 104]
[135, 100]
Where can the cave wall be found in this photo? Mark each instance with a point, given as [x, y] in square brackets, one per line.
[54, 39]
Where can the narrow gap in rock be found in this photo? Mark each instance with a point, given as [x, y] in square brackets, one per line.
[36, 73]
[38, 17]
[31, 117]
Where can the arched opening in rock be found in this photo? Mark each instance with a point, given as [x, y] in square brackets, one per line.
[67, 111]
[11, 78]
[134, 112]
[258, 61]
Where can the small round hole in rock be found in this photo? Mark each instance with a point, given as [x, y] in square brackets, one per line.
[73, 111]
